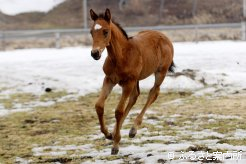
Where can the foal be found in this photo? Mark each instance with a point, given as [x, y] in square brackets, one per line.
[129, 60]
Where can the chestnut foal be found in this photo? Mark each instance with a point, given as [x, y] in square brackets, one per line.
[129, 60]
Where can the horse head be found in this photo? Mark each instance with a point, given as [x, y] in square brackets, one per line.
[100, 32]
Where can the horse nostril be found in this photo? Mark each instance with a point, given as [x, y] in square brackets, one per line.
[95, 54]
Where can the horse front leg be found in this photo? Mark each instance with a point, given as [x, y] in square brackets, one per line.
[127, 89]
[106, 89]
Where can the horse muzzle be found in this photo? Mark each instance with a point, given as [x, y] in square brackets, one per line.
[96, 54]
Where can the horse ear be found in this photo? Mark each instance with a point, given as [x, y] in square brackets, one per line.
[94, 16]
[107, 15]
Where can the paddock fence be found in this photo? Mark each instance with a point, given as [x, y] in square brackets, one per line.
[55, 37]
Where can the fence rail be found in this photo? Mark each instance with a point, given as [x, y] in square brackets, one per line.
[9, 35]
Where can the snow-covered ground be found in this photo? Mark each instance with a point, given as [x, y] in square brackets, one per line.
[221, 63]
[13, 7]
[204, 67]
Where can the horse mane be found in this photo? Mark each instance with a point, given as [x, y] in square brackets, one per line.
[117, 25]
[121, 29]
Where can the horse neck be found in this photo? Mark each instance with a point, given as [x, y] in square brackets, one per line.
[117, 43]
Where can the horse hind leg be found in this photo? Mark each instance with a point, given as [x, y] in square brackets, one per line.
[153, 94]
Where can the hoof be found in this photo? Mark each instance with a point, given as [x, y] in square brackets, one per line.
[109, 137]
[132, 132]
[114, 151]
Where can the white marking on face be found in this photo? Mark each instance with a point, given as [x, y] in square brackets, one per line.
[97, 27]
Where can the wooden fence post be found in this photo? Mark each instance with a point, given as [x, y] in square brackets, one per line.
[85, 13]
[243, 30]
[2, 36]
[161, 10]
[243, 23]
[57, 40]
[196, 34]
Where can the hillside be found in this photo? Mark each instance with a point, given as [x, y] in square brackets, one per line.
[133, 13]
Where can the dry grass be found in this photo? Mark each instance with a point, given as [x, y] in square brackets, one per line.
[8, 102]
[72, 123]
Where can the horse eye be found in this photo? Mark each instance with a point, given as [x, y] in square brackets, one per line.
[105, 33]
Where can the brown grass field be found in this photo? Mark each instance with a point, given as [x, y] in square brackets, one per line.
[33, 136]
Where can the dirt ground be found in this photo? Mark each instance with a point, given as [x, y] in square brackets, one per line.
[68, 132]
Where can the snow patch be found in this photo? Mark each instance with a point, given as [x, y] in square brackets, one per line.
[58, 150]
[200, 66]
[216, 116]
[240, 134]
[203, 134]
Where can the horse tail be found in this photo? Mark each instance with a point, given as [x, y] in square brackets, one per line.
[170, 46]
[172, 67]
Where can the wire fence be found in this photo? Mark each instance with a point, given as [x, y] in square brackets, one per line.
[56, 36]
